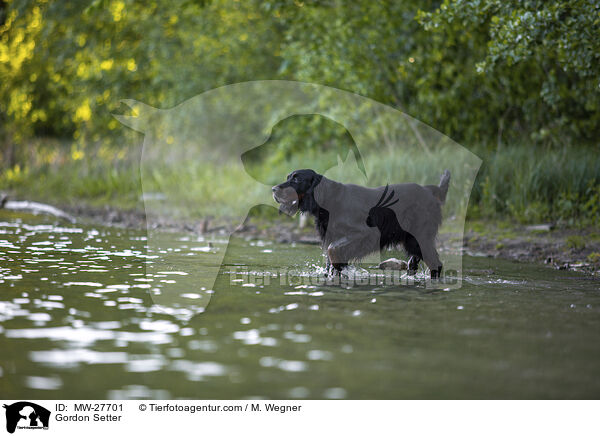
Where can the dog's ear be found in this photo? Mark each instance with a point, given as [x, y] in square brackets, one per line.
[315, 181]
[308, 203]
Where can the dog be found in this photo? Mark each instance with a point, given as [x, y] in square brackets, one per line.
[354, 221]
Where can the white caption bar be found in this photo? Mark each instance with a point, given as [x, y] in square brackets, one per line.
[299, 417]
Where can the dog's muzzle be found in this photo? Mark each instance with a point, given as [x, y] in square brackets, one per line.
[287, 199]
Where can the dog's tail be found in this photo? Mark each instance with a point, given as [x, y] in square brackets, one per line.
[441, 190]
[444, 183]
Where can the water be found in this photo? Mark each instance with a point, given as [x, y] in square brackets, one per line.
[78, 320]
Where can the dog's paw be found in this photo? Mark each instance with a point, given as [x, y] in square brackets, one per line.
[436, 273]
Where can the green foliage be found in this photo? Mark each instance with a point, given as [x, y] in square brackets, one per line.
[481, 71]
[523, 184]
[534, 185]
[575, 242]
[537, 63]
[97, 176]
[515, 80]
[313, 139]
[66, 65]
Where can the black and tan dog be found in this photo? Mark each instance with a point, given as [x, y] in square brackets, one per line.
[354, 221]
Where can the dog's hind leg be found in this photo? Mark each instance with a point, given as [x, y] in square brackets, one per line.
[414, 251]
[437, 273]
[431, 258]
[413, 265]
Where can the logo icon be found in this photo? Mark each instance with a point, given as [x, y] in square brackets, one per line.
[26, 415]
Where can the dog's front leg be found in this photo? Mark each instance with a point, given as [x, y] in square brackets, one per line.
[413, 264]
[336, 258]
[328, 267]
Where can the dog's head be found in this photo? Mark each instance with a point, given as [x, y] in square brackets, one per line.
[296, 193]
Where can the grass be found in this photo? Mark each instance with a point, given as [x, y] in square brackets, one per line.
[594, 257]
[522, 184]
[61, 174]
[575, 242]
[533, 185]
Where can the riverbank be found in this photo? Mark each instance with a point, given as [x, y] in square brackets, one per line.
[567, 248]
[560, 248]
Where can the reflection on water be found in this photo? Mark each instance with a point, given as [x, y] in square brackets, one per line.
[77, 320]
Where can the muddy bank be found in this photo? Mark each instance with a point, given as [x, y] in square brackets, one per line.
[560, 248]
[283, 230]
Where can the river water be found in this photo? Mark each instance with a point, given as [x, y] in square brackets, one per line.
[80, 318]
